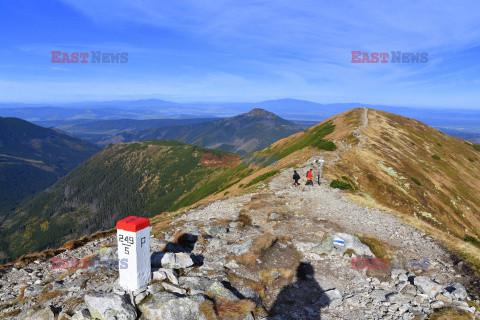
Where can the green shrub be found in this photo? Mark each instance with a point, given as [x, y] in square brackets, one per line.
[413, 143]
[472, 240]
[436, 157]
[476, 146]
[341, 185]
[351, 182]
[416, 181]
[471, 160]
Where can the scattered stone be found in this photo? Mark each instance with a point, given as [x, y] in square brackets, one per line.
[218, 290]
[242, 248]
[109, 305]
[170, 260]
[173, 288]
[380, 295]
[437, 304]
[427, 286]
[162, 274]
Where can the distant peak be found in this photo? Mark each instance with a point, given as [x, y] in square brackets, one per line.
[261, 113]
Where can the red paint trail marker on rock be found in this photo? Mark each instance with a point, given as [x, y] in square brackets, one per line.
[133, 238]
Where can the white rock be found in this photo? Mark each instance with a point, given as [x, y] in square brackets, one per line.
[173, 288]
[427, 286]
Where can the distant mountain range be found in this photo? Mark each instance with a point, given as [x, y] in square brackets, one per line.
[286, 108]
[241, 134]
[97, 130]
[465, 121]
[32, 158]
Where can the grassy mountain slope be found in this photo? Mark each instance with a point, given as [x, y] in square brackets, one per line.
[401, 164]
[241, 134]
[144, 178]
[33, 158]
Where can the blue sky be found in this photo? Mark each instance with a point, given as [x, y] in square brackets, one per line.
[190, 51]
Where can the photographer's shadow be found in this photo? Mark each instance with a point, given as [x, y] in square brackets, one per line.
[302, 299]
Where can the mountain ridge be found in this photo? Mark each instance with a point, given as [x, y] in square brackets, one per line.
[32, 158]
[243, 134]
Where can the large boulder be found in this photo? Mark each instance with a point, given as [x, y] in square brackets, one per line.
[340, 243]
[457, 291]
[218, 290]
[110, 306]
[168, 306]
[427, 286]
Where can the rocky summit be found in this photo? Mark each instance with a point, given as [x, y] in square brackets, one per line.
[276, 253]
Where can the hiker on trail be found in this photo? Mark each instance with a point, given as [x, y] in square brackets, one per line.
[296, 177]
[309, 178]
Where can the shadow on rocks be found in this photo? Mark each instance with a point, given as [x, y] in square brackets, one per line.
[185, 243]
[301, 299]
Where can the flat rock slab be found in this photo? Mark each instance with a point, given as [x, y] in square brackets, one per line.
[168, 306]
[110, 306]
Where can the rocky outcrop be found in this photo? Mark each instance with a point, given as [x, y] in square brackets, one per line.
[110, 306]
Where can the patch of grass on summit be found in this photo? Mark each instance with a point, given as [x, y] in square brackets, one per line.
[476, 146]
[262, 177]
[314, 138]
[376, 246]
[342, 185]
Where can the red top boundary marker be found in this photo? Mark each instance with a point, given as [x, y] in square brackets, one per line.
[133, 224]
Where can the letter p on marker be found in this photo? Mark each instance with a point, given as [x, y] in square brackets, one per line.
[133, 238]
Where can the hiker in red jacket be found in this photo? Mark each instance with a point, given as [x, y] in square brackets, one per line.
[309, 178]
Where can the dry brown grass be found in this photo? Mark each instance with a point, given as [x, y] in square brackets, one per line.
[21, 295]
[208, 310]
[245, 219]
[49, 295]
[12, 313]
[377, 247]
[231, 310]
[263, 242]
[449, 314]
[248, 259]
